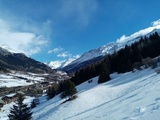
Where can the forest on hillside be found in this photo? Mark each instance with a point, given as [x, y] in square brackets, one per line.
[124, 60]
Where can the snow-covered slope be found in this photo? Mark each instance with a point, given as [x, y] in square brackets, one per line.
[129, 96]
[20, 79]
[106, 49]
[7, 49]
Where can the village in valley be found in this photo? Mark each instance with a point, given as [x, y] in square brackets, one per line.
[33, 85]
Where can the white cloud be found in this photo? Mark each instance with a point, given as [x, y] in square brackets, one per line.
[55, 50]
[124, 38]
[36, 27]
[28, 43]
[64, 54]
[50, 51]
[80, 11]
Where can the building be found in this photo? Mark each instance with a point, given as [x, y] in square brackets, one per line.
[12, 97]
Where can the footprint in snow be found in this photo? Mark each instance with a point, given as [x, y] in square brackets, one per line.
[140, 110]
[157, 107]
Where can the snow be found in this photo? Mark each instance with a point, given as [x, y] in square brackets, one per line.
[61, 63]
[129, 96]
[106, 49]
[6, 108]
[55, 64]
[8, 49]
[13, 83]
[60, 73]
[19, 79]
[11, 95]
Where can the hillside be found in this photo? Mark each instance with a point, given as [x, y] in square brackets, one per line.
[128, 96]
[20, 62]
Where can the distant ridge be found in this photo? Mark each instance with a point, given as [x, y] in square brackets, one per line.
[10, 60]
[95, 55]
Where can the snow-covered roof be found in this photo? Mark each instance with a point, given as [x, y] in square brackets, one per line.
[11, 95]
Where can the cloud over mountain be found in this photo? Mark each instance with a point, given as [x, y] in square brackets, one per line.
[124, 38]
[20, 41]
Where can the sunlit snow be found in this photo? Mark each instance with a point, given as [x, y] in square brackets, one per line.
[128, 96]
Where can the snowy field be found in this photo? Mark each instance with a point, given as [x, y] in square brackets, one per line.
[129, 96]
[19, 79]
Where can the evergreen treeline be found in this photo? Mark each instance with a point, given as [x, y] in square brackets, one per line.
[121, 61]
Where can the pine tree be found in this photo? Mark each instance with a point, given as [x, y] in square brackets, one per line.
[69, 89]
[51, 92]
[20, 111]
[104, 74]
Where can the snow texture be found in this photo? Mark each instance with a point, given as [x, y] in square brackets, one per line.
[129, 96]
[19, 79]
[60, 63]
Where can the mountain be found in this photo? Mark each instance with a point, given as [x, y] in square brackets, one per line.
[60, 64]
[102, 51]
[98, 54]
[10, 60]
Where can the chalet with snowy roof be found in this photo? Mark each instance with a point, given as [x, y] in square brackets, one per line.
[20, 93]
[12, 97]
[9, 98]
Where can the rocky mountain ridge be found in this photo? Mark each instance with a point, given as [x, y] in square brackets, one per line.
[21, 62]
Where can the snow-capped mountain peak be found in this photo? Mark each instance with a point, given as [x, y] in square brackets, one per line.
[7, 48]
[106, 49]
[60, 63]
[114, 46]
[99, 53]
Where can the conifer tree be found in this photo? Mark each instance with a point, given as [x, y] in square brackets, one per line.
[69, 89]
[51, 92]
[104, 74]
[20, 111]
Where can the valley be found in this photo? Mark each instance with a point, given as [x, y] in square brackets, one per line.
[119, 80]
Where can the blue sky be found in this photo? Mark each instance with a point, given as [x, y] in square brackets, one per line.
[49, 30]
